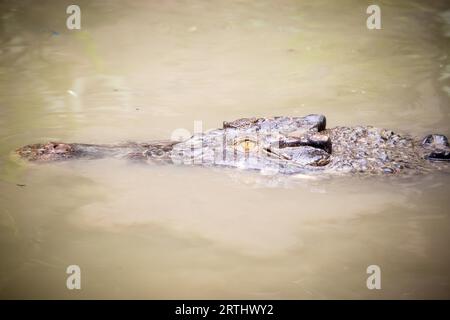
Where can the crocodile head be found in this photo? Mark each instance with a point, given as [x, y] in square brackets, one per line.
[271, 145]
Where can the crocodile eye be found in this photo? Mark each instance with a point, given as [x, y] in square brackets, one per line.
[245, 145]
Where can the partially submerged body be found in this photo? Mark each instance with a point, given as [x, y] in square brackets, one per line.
[285, 145]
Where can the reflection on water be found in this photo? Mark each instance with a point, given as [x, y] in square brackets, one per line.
[137, 71]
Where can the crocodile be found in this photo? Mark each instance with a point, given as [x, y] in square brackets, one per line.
[276, 145]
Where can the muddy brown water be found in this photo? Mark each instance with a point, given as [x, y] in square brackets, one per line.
[138, 70]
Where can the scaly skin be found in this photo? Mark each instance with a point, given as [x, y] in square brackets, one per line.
[285, 145]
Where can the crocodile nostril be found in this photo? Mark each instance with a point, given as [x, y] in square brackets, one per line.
[435, 140]
[439, 147]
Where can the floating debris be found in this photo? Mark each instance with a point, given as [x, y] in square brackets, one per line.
[72, 93]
